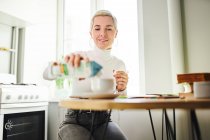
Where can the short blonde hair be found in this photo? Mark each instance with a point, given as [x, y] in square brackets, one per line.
[103, 13]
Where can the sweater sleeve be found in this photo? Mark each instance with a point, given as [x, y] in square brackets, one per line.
[47, 75]
[120, 66]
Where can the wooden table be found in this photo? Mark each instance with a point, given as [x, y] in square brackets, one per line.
[186, 101]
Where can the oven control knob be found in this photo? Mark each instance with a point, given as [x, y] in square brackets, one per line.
[8, 97]
[37, 96]
[20, 97]
[25, 97]
[31, 97]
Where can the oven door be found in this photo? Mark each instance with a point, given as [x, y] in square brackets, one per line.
[24, 126]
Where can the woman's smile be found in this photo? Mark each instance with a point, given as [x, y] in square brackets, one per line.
[103, 40]
[103, 32]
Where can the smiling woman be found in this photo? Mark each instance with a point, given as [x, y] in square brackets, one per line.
[76, 34]
[77, 122]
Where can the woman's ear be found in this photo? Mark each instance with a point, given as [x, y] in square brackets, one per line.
[90, 34]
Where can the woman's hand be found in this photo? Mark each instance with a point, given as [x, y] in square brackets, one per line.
[121, 78]
[74, 59]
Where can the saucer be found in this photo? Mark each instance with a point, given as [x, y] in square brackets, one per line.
[91, 95]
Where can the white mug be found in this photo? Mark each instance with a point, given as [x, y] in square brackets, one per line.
[201, 89]
[105, 85]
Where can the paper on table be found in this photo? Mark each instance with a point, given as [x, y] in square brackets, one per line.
[155, 96]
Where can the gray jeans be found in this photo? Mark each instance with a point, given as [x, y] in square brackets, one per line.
[78, 125]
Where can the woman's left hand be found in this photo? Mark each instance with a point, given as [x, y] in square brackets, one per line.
[121, 78]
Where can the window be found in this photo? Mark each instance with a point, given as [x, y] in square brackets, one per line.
[76, 25]
[76, 32]
[127, 41]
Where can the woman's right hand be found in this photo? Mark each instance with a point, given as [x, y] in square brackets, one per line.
[74, 59]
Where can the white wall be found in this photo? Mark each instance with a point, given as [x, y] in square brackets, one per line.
[156, 46]
[33, 11]
[197, 21]
[197, 43]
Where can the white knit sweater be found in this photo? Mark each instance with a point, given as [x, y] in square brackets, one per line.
[105, 59]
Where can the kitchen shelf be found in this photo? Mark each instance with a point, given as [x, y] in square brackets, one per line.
[7, 49]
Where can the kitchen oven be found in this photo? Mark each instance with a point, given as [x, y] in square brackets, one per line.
[23, 112]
